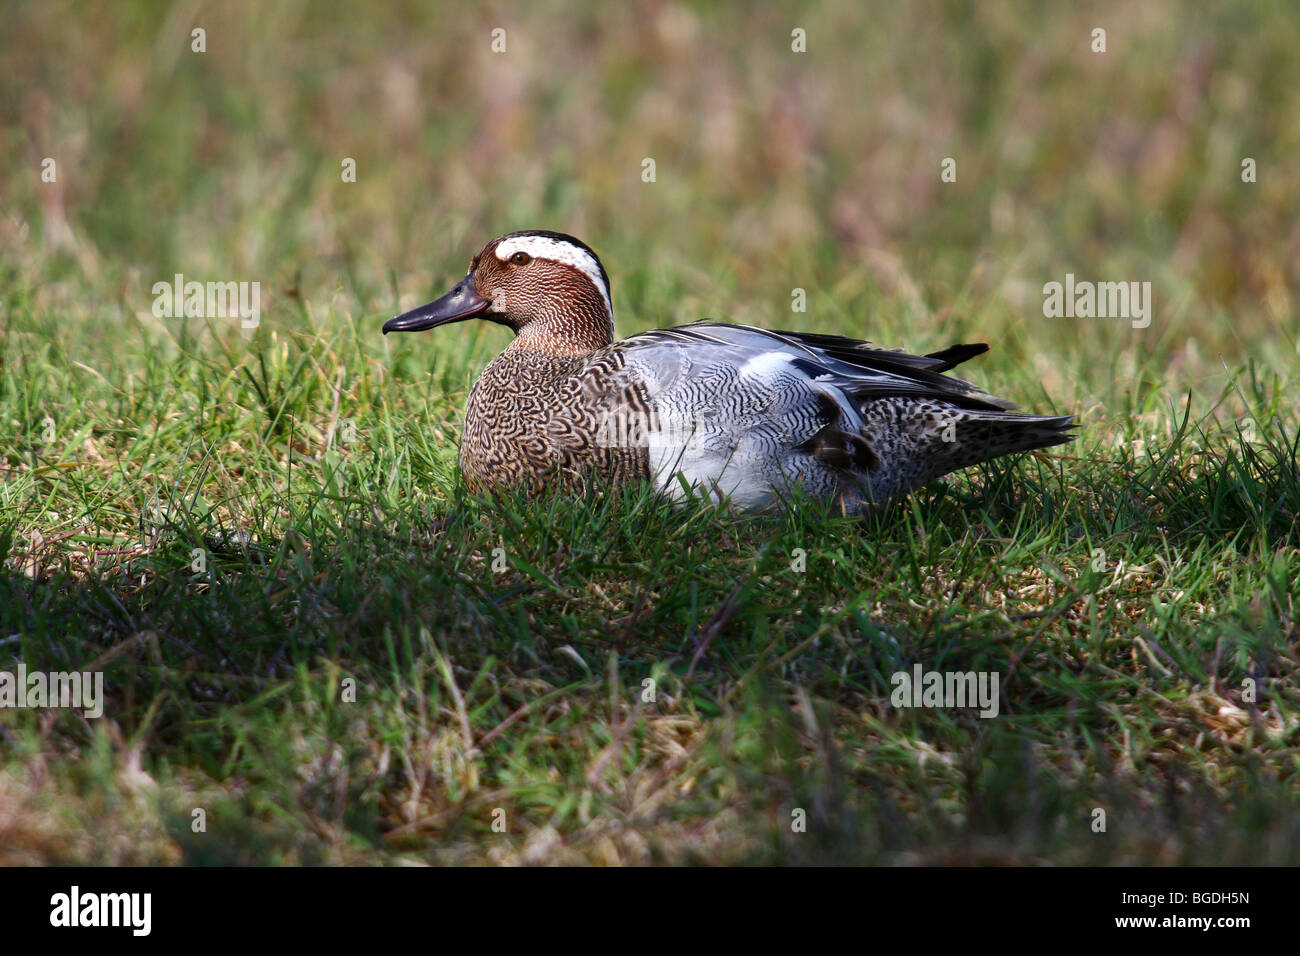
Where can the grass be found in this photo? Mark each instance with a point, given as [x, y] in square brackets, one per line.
[310, 632]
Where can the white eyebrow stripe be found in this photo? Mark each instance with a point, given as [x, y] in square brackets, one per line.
[542, 247]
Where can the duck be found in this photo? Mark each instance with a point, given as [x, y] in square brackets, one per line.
[746, 417]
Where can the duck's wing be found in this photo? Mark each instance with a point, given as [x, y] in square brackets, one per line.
[752, 413]
[851, 365]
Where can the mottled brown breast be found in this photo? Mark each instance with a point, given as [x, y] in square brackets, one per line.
[538, 419]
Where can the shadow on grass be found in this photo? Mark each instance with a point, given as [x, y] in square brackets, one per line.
[358, 694]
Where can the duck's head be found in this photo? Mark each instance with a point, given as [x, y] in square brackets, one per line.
[548, 287]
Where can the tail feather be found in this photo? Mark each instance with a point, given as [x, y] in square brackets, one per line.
[985, 435]
[954, 355]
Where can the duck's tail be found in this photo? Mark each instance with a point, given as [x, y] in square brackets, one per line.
[977, 436]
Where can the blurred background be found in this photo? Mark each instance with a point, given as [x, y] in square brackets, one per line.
[774, 169]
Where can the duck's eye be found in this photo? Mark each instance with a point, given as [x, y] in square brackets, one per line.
[521, 258]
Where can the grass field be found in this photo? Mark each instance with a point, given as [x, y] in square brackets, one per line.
[310, 632]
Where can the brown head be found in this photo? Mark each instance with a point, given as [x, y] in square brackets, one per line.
[548, 287]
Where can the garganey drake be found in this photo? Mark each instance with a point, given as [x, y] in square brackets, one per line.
[741, 413]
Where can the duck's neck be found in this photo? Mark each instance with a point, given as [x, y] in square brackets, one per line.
[578, 326]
